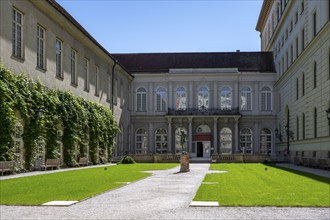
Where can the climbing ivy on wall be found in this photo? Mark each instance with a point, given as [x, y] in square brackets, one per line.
[83, 122]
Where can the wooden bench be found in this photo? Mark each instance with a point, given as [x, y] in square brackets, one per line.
[7, 166]
[83, 161]
[52, 163]
[324, 164]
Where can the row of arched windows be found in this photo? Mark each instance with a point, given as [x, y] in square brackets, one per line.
[203, 98]
[226, 139]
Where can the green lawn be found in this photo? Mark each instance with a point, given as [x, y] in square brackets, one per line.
[71, 185]
[252, 185]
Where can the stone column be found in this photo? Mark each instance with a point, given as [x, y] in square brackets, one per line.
[215, 93]
[170, 95]
[256, 139]
[236, 137]
[169, 135]
[215, 135]
[190, 134]
[151, 98]
[190, 94]
[151, 137]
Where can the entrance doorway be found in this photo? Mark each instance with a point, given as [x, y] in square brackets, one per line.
[200, 149]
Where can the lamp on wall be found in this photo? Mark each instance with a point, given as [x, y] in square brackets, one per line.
[289, 134]
[328, 115]
[39, 112]
[278, 134]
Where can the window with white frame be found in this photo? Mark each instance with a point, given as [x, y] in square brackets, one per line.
[17, 33]
[59, 55]
[246, 98]
[161, 141]
[40, 47]
[97, 79]
[266, 99]
[178, 147]
[203, 97]
[246, 140]
[181, 98]
[86, 74]
[141, 100]
[161, 97]
[73, 62]
[265, 141]
[225, 98]
[141, 141]
[225, 141]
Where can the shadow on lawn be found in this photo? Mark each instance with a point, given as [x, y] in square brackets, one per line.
[298, 172]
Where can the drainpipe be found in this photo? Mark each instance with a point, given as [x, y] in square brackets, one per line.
[112, 84]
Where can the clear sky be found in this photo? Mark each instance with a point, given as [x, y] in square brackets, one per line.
[169, 26]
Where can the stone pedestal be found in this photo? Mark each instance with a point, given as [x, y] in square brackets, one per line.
[184, 162]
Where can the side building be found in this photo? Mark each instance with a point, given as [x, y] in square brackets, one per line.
[223, 102]
[42, 40]
[298, 34]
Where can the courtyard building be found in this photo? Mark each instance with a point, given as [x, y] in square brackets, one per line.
[298, 34]
[231, 106]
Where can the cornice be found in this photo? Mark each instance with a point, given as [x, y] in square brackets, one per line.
[265, 9]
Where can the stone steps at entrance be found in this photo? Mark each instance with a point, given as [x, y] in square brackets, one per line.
[200, 160]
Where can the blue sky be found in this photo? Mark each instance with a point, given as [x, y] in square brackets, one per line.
[169, 26]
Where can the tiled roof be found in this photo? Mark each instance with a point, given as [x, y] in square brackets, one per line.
[162, 62]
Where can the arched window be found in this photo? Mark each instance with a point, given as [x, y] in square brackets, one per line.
[225, 98]
[246, 140]
[203, 129]
[141, 100]
[225, 141]
[315, 122]
[203, 97]
[265, 141]
[181, 98]
[178, 148]
[141, 141]
[314, 75]
[161, 141]
[246, 98]
[266, 99]
[161, 97]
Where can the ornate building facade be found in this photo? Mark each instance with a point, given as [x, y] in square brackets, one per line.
[298, 34]
[271, 103]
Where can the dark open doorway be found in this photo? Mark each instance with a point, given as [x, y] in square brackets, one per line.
[199, 149]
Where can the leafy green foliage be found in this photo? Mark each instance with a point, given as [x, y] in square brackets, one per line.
[72, 185]
[83, 122]
[127, 160]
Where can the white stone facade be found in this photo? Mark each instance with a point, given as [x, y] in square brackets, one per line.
[298, 34]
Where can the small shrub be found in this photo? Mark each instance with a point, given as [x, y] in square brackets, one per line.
[127, 160]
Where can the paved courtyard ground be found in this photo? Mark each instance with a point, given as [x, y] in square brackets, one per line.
[164, 195]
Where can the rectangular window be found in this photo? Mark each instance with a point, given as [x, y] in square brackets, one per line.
[314, 75]
[122, 99]
[314, 24]
[58, 48]
[97, 92]
[303, 127]
[297, 48]
[302, 39]
[302, 6]
[86, 74]
[73, 60]
[40, 47]
[296, 17]
[17, 33]
[291, 53]
[115, 92]
[315, 123]
[297, 89]
[297, 128]
[303, 85]
[314, 153]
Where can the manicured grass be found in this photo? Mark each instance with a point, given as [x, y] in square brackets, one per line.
[253, 185]
[72, 185]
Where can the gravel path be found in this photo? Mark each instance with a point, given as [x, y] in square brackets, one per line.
[165, 195]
